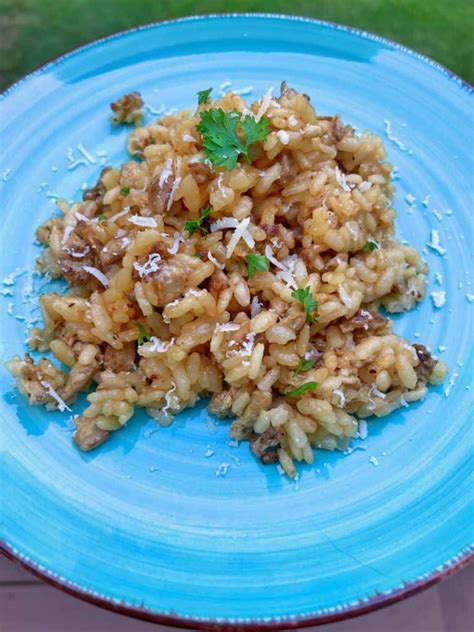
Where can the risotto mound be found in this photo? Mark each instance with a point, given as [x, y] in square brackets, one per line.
[243, 254]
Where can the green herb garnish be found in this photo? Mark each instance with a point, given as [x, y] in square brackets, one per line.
[124, 191]
[256, 263]
[102, 217]
[198, 255]
[303, 366]
[308, 302]
[143, 335]
[203, 96]
[370, 245]
[301, 390]
[221, 140]
[197, 224]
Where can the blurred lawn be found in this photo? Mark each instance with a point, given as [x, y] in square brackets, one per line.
[33, 31]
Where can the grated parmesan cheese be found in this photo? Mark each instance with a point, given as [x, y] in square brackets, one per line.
[88, 156]
[166, 173]
[62, 406]
[151, 265]
[342, 398]
[410, 199]
[100, 276]
[374, 461]
[241, 232]
[177, 239]
[438, 298]
[341, 180]
[213, 260]
[169, 399]
[283, 137]
[438, 278]
[391, 137]
[450, 384]
[146, 222]
[187, 138]
[174, 188]
[158, 346]
[470, 297]
[434, 243]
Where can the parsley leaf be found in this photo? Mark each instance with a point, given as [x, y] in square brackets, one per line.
[308, 302]
[203, 96]
[102, 217]
[303, 366]
[196, 224]
[301, 390]
[256, 263]
[198, 255]
[124, 191]
[370, 245]
[143, 335]
[221, 141]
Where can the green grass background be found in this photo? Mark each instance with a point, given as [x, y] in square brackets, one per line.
[33, 31]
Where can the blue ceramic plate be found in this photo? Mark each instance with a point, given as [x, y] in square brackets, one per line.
[148, 524]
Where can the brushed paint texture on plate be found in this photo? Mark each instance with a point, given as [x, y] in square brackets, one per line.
[178, 520]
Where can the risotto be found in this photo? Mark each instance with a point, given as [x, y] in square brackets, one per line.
[242, 255]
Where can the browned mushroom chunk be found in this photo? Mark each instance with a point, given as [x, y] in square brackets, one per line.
[87, 435]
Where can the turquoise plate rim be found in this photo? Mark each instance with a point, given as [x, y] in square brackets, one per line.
[462, 560]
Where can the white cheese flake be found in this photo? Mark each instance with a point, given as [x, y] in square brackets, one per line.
[222, 469]
[100, 276]
[341, 180]
[62, 406]
[6, 175]
[392, 138]
[441, 348]
[438, 298]
[67, 233]
[88, 156]
[439, 278]
[146, 222]
[450, 384]
[213, 260]
[174, 188]
[470, 297]
[187, 138]
[434, 244]
[426, 201]
[158, 346]
[151, 265]
[283, 137]
[171, 401]
[410, 199]
[177, 239]
[342, 397]
[241, 232]
[374, 460]
[166, 173]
